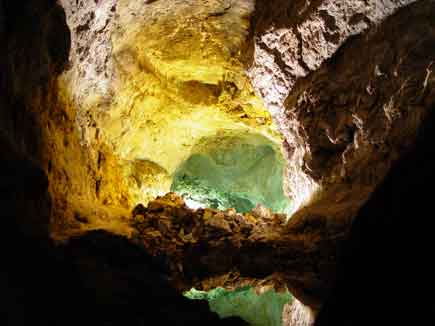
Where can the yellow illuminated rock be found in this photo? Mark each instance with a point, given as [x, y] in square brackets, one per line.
[175, 78]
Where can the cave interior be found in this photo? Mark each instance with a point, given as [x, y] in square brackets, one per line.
[217, 162]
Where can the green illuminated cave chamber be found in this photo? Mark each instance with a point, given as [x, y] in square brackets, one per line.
[258, 310]
[236, 170]
[232, 170]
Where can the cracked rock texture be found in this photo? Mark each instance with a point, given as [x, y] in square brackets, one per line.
[146, 83]
[348, 84]
[101, 101]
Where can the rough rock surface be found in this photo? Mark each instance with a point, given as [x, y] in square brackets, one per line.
[295, 313]
[82, 108]
[82, 282]
[149, 81]
[207, 248]
[384, 276]
[348, 83]
[339, 143]
[234, 171]
[294, 38]
[35, 45]
[95, 279]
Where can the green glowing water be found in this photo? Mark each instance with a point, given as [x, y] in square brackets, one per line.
[257, 310]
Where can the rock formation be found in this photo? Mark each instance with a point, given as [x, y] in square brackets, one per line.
[384, 277]
[102, 103]
[346, 91]
[210, 248]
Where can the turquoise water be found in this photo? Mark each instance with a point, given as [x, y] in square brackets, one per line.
[257, 310]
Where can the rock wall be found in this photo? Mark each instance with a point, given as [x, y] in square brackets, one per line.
[39, 121]
[295, 313]
[44, 173]
[384, 276]
[150, 80]
[348, 83]
[103, 123]
[35, 50]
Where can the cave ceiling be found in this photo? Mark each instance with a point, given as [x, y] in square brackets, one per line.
[157, 79]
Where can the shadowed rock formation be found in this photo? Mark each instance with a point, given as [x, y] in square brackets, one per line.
[210, 248]
[87, 281]
[384, 275]
[348, 86]
[101, 101]
[384, 96]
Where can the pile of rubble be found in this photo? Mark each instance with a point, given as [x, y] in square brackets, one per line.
[207, 248]
[167, 226]
[207, 240]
